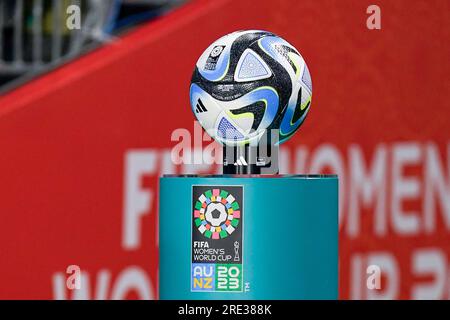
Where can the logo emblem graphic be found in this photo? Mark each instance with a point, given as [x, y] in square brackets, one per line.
[217, 238]
[217, 51]
[216, 214]
[200, 107]
[213, 58]
[241, 162]
[236, 251]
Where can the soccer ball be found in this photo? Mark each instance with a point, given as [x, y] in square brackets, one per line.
[247, 82]
[216, 214]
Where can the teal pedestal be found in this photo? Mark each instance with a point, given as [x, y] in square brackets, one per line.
[225, 237]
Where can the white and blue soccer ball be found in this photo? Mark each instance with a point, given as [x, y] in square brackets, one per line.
[248, 82]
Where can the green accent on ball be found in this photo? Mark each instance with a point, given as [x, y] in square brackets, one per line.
[208, 234]
[208, 194]
[198, 205]
[223, 234]
[291, 56]
[262, 48]
[235, 205]
[223, 194]
[302, 107]
[234, 222]
[198, 222]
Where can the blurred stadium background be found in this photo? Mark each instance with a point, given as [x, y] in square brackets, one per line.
[86, 118]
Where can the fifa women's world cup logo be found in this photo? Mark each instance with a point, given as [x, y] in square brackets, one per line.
[216, 214]
[217, 243]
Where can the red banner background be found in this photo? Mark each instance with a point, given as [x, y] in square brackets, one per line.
[82, 147]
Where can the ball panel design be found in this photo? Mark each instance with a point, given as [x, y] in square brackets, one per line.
[247, 82]
[236, 127]
[251, 67]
